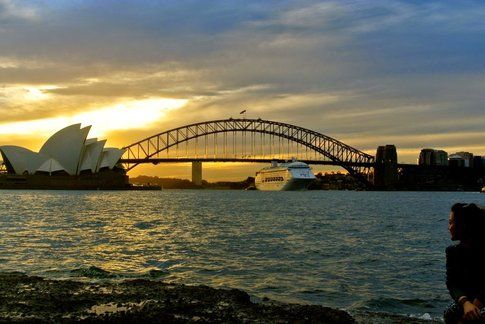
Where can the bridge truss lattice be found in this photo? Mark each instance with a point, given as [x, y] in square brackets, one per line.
[248, 140]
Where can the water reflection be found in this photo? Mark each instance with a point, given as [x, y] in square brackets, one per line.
[343, 249]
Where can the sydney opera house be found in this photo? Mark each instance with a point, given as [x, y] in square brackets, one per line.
[67, 160]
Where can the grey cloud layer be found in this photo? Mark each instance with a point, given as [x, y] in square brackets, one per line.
[389, 67]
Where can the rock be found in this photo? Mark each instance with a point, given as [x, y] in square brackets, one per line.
[26, 299]
[34, 299]
[92, 272]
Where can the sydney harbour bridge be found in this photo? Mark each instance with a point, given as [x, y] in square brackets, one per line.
[263, 141]
[252, 140]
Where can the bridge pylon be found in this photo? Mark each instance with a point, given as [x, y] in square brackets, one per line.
[385, 170]
[197, 173]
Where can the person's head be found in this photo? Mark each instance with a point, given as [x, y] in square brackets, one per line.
[466, 222]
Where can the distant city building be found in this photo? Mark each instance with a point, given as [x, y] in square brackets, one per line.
[433, 157]
[440, 157]
[466, 156]
[478, 162]
[456, 160]
[425, 157]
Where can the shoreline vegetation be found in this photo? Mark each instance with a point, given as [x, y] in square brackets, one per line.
[323, 181]
[326, 181]
[26, 299]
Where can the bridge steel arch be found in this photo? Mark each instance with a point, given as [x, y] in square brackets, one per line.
[353, 160]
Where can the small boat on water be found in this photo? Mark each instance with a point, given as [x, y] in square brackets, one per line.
[293, 175]
[145, 187]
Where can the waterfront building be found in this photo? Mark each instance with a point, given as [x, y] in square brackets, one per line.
[440, 157]
[467, 158]
[67, 152]
[430, 157]
[478, 162]
[425, 156]
[456, 160]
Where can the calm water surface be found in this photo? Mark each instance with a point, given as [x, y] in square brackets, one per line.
[379, 251]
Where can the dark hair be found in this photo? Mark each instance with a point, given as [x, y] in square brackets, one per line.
[469, 222]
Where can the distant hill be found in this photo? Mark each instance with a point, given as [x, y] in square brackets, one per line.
[336, 181]
[175, 183]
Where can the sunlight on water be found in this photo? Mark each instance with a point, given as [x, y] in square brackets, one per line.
[356, 250]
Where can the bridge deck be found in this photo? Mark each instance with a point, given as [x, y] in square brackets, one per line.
[314, 162]
[182, 160]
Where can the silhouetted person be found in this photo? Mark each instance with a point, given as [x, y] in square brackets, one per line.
[465, 264]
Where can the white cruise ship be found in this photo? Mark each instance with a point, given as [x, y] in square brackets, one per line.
[292, 175]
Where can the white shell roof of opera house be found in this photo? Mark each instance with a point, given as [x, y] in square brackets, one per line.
[68, 150]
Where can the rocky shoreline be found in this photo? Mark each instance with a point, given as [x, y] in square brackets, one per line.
[26, 299]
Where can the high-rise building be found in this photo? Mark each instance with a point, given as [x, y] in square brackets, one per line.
[440, 157]
[425, 156]
[430, 156]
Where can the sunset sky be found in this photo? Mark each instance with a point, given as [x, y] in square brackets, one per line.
[368, 73]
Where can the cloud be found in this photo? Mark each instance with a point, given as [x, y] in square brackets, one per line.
[366, 70]
[125, 116]
[11, 12]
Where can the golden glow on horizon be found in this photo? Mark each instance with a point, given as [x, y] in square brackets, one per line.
[128, 115]
[37, 93]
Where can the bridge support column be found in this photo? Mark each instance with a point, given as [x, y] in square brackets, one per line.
[197, 173]
[385, 170]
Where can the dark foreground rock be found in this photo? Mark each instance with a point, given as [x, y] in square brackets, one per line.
[34, 299]
[26, 299]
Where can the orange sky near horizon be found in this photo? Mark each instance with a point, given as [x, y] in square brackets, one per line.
[124, 122]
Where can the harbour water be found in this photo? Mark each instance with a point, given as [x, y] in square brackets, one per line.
[374, 251]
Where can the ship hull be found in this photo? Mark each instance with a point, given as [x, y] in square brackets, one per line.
[290, 185]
